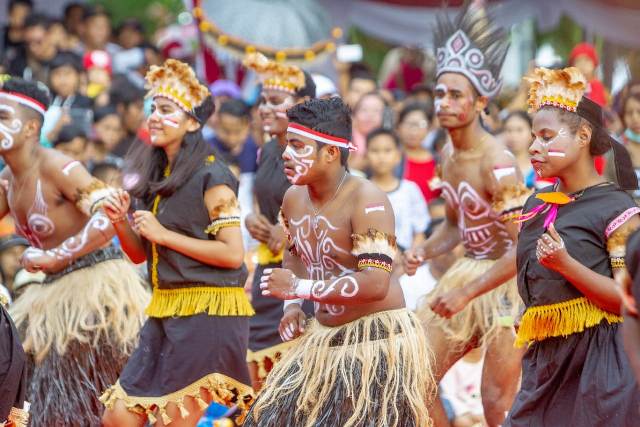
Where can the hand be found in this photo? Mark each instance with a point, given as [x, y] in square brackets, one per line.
[624, 289]
[149, 227]
[50, 261]
[279, 283]
[450, 303]
[259, 227]
[551, 251]
[276, 239]
[116, 205]
[412, 259]
[292, 323]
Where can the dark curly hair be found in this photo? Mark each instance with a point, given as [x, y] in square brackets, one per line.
[331, 116]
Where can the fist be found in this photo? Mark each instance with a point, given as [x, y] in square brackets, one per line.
[279, 283]
[411, 260]
[292, 323]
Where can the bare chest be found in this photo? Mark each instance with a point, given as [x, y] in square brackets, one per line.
[323, 244]
[40, 212]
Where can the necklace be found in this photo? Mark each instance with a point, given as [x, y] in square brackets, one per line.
[468, 154]
[316, 213]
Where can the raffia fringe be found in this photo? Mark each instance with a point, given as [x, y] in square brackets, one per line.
[483, 317]
[403, 351]
[224, 390]
[561, 319]
[107, 299]
[216, 301]
[273, 353]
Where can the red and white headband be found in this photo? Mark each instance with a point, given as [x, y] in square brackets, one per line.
[320, 137]
[24, 100]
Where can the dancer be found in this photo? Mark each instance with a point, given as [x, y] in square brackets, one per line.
[13, 373]
[630, 286]
[80, 326]
[571, 245]
[475, 302]
[364, 359]
[193, 346]
[282, 87]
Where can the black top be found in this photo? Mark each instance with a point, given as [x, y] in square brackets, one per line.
[186, 213]
[270, 181]
[12, 366]
[581, 224]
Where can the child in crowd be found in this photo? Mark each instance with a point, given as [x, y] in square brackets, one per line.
[410, 209]
[107, 127]
[97, 64]
[368, 114]
[419, 163]
[108, 172]
[72, 141]
[517, 137]
[461, 388]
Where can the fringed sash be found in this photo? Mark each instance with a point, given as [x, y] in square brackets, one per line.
[187, 301]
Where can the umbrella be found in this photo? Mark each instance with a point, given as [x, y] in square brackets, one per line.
[285, 30]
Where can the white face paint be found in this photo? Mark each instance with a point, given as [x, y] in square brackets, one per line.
[545, 144]
[437, 102]
[301, 162]
[170, 119]
[8, 131]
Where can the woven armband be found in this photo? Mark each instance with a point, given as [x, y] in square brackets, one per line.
[91, 198]
[380, 261]
[508, 203]
[617, 262]
[374, 249]
[227, 214]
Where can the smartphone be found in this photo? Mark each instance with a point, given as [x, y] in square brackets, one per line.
[349, 53]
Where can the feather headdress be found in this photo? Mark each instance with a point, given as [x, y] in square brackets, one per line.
[275, 75]
[177, 81]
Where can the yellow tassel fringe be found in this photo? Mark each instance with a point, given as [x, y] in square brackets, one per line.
[216, 301]
[266, 257]
[224, 390]
[273, 353]
[561, 319]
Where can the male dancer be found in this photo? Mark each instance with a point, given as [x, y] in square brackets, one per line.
[82, 323]
[363, 360]
[482, 186]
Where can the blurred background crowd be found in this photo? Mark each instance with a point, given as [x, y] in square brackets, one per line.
[376, 54]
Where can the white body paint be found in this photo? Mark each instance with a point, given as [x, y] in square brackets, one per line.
[75, 244]
[319, 260]
[478, 240]
[69, 166]
[301, 162]
[7, 132]
[39, 226]
[500, 173]
[377, 208]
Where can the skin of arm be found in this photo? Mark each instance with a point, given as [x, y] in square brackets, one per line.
[225, 251]
[117, 207]
[361, 287]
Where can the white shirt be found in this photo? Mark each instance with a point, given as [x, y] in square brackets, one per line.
[410, 209]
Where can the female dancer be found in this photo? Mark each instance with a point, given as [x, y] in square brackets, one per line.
[282, 87]
[571, 245]
[193, 347]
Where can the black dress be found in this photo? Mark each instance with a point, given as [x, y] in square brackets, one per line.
[198, 327]
[270, 186]
[579, 376]
[12, 367]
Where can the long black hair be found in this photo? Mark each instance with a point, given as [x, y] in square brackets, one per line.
[149, 162]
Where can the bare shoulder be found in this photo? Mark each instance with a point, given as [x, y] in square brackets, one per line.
[56, 163]
[497, 155]
[363, 191]
[292, 195]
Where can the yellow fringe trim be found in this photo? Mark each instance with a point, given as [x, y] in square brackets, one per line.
[224, 390]
[561, 319]
[273, 353]
[216, 301]
[266, 257]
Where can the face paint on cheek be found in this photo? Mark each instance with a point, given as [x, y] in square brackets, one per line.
[556, 153]
[7, 131]
[440, 88]
[301, 164]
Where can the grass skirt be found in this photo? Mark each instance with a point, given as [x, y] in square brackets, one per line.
[374, 371]
[483, 316]
[78, 331]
